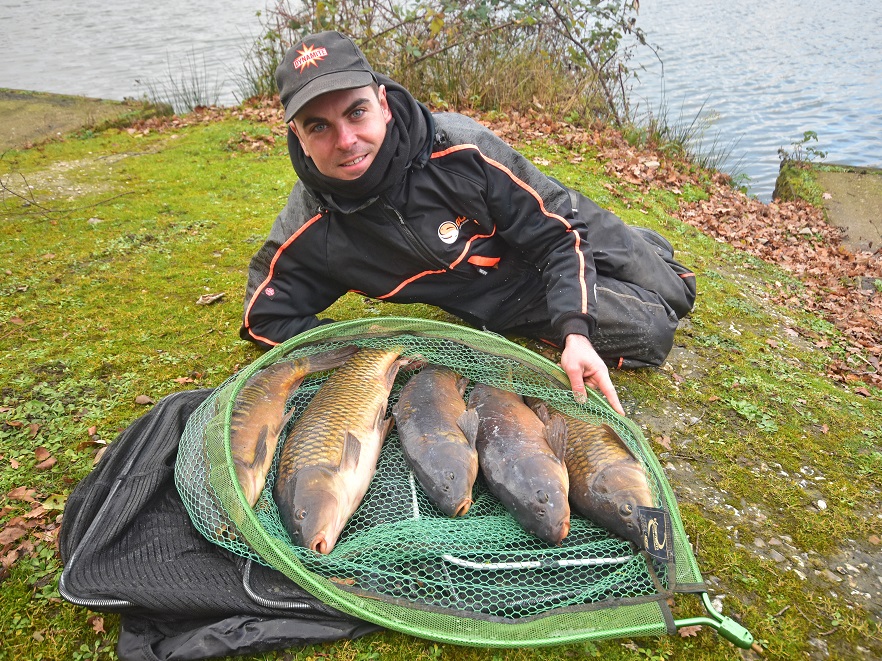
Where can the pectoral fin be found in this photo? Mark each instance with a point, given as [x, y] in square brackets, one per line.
[468, 423]
[615, 435]
[351, 453]
[556, 435]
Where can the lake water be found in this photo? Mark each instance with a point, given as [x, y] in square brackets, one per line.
[113, 50]
[767, 72]
[764, 72]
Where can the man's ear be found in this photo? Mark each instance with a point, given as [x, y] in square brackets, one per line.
[384, 103]
[293, 127]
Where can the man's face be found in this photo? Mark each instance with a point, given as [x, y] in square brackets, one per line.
[342, 131]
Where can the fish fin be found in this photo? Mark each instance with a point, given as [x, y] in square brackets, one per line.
[332, 359]
[532, 402]
[461, 385]
[286, 418]
[556, 435]
[351, 452]
[540, 409]
[468, 423]
[393, 371]
[386, 426]
[612, 432]
[260, 447]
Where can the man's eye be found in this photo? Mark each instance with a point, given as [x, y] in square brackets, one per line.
[358, 112]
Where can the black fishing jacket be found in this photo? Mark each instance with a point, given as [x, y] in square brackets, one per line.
[472, 228]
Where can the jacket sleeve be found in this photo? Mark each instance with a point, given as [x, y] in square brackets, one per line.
[534, 214]
[288, 284]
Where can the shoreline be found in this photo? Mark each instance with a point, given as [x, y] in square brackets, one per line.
[852, 195]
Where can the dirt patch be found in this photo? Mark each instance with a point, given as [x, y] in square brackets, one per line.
[853, 201]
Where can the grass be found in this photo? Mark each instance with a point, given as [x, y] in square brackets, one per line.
[113, 237]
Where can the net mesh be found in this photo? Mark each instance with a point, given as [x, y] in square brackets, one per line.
[474, 580]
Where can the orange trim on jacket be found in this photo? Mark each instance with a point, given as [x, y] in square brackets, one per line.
[269, 277]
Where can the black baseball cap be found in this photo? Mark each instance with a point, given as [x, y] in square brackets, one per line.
[320, 63]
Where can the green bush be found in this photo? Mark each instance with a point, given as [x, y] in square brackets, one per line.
[567, 58]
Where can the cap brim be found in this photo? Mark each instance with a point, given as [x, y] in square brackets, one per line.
[331, 82]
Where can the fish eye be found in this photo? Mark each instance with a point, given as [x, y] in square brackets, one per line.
[301, 514]
[541, 496]
[625, 509]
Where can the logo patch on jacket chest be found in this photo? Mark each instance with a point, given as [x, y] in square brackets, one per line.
[448, 231]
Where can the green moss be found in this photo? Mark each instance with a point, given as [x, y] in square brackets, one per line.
[797, 181]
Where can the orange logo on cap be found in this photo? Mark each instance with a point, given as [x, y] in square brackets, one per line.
[310, 55]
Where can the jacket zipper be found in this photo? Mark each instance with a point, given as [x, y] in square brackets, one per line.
[414, 240]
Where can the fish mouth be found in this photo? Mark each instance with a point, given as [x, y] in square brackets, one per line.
[463, 507]
[564, 531]
[320, 544]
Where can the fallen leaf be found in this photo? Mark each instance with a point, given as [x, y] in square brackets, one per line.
[824, 429]
[36, 513]
[97, 623]
[863, 392]
[18, 321]
[685, 632]
[43, 465]
[143, 399]
[827, 196]
[41, 454]
[92, 430]
[34, 429]
[12, 533]
[208, 299]
[774, 344]
[712, 398]
[55, 502]
[22, 493]
[9, 559]
[184, 379]
[664, 441]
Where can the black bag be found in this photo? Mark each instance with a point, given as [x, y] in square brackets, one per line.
[128, 546]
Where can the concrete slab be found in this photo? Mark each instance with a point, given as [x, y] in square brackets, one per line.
[853, 201]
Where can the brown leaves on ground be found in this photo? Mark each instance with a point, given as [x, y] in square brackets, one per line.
[839, 284]
[20, 534]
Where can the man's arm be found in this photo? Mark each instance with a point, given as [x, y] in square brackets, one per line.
[288, 279]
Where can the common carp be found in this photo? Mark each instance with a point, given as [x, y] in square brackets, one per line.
[330, 455]
[522, 460]
[607, 483]
[258, 415]
[438, 435]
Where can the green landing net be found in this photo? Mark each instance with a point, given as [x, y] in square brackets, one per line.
[477, 580]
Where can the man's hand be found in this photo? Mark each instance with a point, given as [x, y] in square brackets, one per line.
[583, 366]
